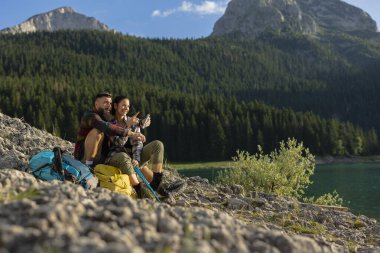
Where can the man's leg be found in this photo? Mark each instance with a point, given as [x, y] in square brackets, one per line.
[93, 146]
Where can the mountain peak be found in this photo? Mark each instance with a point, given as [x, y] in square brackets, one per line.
[252, 17]
[63, 18]
[64, 9]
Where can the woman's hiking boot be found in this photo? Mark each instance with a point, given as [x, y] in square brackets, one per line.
[156, 181]
[143, 192]
[168, 188]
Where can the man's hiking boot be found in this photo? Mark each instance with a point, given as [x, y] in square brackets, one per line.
[171, 189]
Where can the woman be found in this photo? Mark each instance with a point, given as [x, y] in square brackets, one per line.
[120, 156]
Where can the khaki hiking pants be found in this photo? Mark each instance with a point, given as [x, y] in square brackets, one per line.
[153, 152]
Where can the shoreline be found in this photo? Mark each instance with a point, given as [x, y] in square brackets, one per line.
[346, 159]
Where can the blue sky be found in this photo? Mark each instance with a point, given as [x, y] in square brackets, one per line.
[145, 18]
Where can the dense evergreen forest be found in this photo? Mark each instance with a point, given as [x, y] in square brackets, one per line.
[207, 97]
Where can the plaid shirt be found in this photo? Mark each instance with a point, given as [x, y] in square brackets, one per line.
[118, 144]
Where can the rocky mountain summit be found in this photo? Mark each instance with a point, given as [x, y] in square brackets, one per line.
[64, 18]
[250, 18]
[37, 216]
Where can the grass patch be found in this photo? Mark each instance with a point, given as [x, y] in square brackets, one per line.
[312, 227]
[290, 221]
[255, 215]
[318, 226]
[358, 224]
[11, 196]
[331, 238]
[304, 230]
[206, 165]
[352, 246]
[210, 195]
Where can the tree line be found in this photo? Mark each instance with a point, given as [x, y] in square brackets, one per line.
[203, 102]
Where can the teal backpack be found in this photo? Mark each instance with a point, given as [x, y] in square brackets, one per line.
[54, 165]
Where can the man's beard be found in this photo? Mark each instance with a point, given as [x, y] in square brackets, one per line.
[105, 115]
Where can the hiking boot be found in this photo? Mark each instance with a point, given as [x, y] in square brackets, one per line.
[144, 192]
[171, 189]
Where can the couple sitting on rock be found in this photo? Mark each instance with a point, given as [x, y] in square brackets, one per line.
[104, 137]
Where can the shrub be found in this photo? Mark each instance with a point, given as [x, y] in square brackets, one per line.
[284, 172]
[331, 199]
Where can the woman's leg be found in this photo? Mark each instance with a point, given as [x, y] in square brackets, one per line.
[124, 162]
[148, 174]
[154, 153]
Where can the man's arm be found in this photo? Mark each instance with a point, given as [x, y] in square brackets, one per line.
[108, 128]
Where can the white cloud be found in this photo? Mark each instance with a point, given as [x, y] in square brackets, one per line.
[205, 8]
[158, 13]
[185, 7]
[210, 7]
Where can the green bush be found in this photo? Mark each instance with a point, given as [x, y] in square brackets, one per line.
[331, 199]
[284, 172]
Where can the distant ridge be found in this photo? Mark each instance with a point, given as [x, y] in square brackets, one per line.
[63, 18]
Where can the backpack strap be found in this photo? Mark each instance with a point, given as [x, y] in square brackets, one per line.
[39, 168]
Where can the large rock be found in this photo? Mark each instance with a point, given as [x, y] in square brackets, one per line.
[64, 18]
[250, 18]
[19, 141]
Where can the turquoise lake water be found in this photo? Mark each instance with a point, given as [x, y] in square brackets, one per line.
[358, 184]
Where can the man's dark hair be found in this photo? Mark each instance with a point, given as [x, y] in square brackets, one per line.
[102, 94]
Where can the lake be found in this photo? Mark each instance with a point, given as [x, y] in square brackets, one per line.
[358, 184]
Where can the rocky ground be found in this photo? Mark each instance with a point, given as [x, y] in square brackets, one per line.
[38, 216]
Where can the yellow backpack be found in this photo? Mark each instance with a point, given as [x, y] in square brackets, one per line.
[113, 179]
